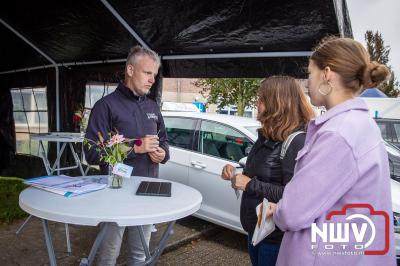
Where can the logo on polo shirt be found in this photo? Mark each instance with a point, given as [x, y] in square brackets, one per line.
[152, 116]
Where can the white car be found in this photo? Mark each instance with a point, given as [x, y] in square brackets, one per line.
[201, 144]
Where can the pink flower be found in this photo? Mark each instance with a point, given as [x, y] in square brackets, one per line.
[116, 139]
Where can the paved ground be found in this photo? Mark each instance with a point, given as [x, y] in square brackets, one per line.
[195, 242]
[225, 247]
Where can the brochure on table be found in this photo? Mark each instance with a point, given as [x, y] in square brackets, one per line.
[65, 185]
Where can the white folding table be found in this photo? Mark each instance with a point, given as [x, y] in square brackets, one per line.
[121, 206]
[64, 138]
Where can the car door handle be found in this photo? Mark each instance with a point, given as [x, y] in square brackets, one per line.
[198, 165]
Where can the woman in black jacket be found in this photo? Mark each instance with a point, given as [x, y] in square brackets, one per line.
[283, 111]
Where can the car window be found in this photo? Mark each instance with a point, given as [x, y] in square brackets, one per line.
[222, 141]
[393, 150]
[180, 131]
[253, 130]
[396, 127]
[384, 131]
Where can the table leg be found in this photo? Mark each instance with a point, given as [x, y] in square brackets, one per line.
[56, 165]
[163, 242]
[44, 158]
[76, 158]
[23, 225]
[49, 243]
[100, 236]
[67, 238]
[160, 248]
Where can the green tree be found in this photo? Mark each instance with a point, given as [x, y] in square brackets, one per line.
[380, 53]
[241, 92]
[391, 87]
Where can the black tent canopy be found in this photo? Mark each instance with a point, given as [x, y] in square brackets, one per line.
[235, 38]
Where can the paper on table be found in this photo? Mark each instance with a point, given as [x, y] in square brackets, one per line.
[65, 185]
[264, 227]
[237, 193]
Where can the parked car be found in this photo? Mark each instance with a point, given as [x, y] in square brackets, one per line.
[395, 187]
[201, 144]
[390, 129]
[394, 161]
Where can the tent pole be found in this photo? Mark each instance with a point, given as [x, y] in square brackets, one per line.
[239, 55]
[177, 57]
[53, 63]
[125, 24]
[66, 65]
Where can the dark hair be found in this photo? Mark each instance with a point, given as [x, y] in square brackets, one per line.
[286, 107]
[351, 61]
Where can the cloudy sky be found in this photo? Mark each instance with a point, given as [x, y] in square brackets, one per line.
[382, 16]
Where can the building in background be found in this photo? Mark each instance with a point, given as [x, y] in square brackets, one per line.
[184, 91]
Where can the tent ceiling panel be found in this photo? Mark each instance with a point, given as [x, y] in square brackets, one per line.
[70, 31]
[73, 31]
[191, 26]
[15, 53]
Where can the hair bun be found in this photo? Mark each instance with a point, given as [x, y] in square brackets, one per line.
[375, 74]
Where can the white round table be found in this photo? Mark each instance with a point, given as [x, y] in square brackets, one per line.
[121, 206]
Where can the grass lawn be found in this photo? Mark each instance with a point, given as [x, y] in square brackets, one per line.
[10, 187]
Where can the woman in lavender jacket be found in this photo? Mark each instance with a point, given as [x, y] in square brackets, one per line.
[336, 210]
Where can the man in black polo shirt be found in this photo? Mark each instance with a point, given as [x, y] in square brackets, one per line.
[134, 115]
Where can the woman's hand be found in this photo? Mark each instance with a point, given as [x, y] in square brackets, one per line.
[240, 181]
[271, 209]
[227, 172]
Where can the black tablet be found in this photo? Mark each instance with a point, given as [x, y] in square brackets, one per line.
[162, 189]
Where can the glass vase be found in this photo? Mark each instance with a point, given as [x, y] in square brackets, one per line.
[114, 181]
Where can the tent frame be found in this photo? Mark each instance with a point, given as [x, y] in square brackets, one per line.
[53, 64]
[175, 57]
[144, 44]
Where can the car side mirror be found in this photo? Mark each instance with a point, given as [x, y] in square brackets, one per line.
[242, 162]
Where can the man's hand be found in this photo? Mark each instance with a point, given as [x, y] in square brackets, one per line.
[158, 155]
[149, 144]
[240, 181]
[227, 172]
